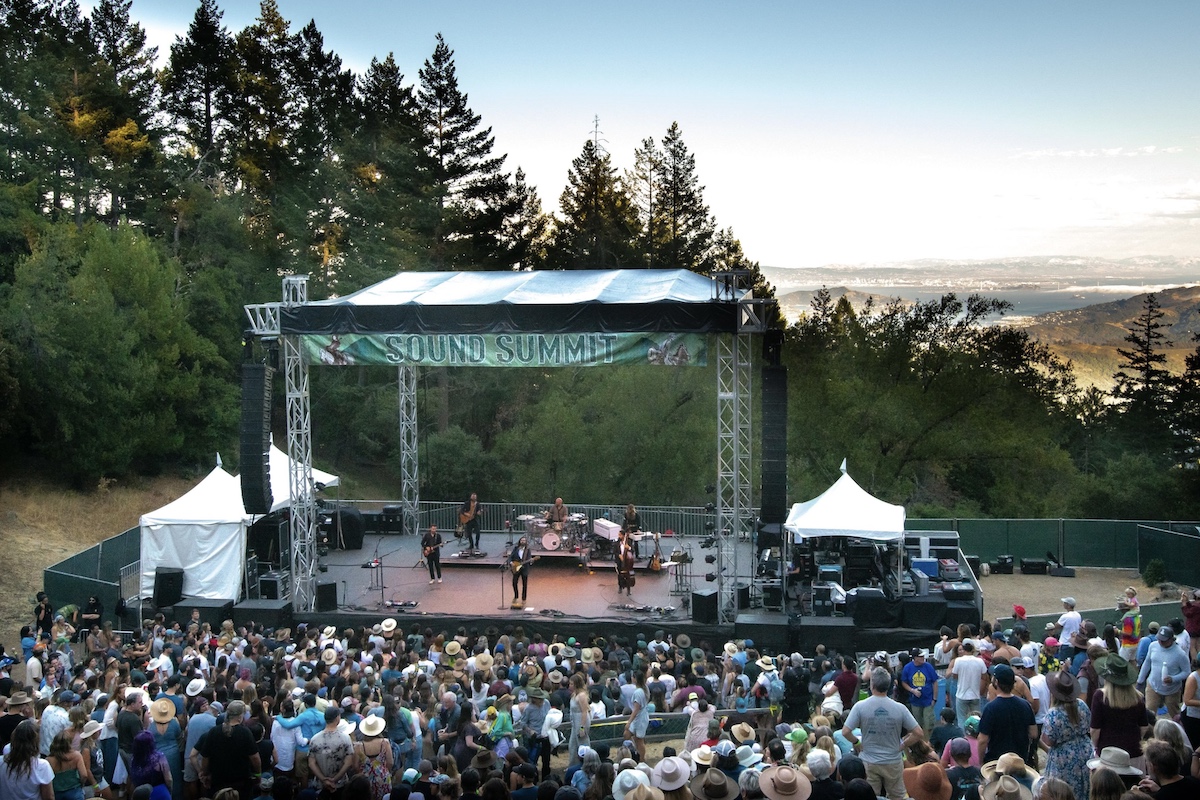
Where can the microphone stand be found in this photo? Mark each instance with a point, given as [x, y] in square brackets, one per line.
[503, 568]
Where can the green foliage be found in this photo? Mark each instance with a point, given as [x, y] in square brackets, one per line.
[1155, 572]
[455, 464]
[598, 229]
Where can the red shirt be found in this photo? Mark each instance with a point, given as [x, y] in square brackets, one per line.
[847, 686]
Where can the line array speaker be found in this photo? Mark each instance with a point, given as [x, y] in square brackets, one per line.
[774, 445]
[255, 452]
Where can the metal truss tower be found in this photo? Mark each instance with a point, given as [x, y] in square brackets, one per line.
[299, 443]
[410, 493]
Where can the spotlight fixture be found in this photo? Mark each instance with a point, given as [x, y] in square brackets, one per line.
[710, 507]
[710, 577]
[711, 558]
[709, 542]
[710, 526]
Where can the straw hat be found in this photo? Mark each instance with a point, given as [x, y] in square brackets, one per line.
[642, 792]
[372, 725]
[714, 785]
[388, 625]
[927, 782]
[555, 648]
[671, 773]
[484, 661]
[1006, 788]
[766, 664]
[162, 710]
[1115, 759]
[452, 648]
[742, 732]
[329, 631]
[329, 655]
[587, 655]
[626, 781]
[1008, 764]
[91, 728]
[283, 634]
[784, 782]
[703, 755]
[731, 649]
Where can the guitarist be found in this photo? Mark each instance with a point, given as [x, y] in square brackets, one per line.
[468, 517]
[431, 549]
[518, 561]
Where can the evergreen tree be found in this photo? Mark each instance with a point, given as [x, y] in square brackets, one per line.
[471, 193]
[197, 83]
[1143, 385]
[687, 226]
[644, 183]
[598, 229]
[525, 235]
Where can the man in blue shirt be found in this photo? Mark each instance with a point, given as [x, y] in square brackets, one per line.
[920, 680]
[1145, 642]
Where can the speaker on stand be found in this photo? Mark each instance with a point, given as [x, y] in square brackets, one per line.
[255, 448]
[327, 597]
[168, 586]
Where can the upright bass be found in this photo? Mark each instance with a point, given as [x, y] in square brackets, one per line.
[625, 563]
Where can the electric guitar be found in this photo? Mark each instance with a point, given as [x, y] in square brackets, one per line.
[428, 551]
[656, 559]
[517, 566]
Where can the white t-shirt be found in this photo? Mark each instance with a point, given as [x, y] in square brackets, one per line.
[1031, 650]
[969, 670]
[1070, 621]
[22, 786]
[1040, 690]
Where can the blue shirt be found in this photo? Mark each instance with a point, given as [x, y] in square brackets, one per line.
[310, 721]
[1144, 647]
[1174, 659]
[923, 679]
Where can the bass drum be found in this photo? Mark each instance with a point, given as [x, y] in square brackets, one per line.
[551, 541]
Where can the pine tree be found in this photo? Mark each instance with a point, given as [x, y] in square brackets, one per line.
[644, 183]
[198, 81]
[525, 234]
[470, 190]
[688, 227]
[598, 229]
[1141, 378]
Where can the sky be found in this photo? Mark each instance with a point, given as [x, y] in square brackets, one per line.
[831, 132]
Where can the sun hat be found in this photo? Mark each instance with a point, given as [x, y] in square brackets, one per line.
[1007, 788]
[927, 782]
[388, 625]
[1063, 685]
[766, 664]
[1116, 759]
[640, 792]
[587, 655]
[1018, 611]
[329, 655]
[626, 781]
[742, 732]
[1008, 764]
[784, 782]
[452, 648]
[91, 728]
[347, 727]
[484, 661]
[702, 755]
[18, 699]
[536, 693]
[712, 785]
[683, 641]
[195, 686]
[671, 773]
[162, 710]
[1116, 670]
[746, 756]
[483, 760]
[730, 649]
[329, 631]
[372, 726]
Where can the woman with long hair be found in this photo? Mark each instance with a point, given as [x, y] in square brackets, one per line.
[1066, 734]
[697, 730]
[1190, 718]
[1118, 710]
[148, 766]
[375, 756]
[601, 785]
[1167, 730]
[1105, 785]
[581, 720]
[23, 775]
[639, 716]
[71, 772]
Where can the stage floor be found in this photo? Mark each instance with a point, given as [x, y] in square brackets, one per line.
[481, 587]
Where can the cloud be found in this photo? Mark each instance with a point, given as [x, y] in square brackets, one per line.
[1096, 152]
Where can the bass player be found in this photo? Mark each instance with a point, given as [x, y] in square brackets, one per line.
[431, 550]
[468, 518]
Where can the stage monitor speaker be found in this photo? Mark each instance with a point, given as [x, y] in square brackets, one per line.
[353, 527]
[327, 596]
[704, 607]
[774, 445]
[214, 611]
[1034, 566]
[255, 450]
[772, 347]
[168, 586]
[767, 629]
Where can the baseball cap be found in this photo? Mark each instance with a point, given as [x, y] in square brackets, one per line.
[916, 651]
[1051, 641]
[1166, 632]
[960, 747]
[1154, 626]
[1025, 662]
[1003, 673]
[1070, 601]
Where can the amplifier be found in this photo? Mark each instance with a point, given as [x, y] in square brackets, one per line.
[273, 585]
[1034, 566]
[973, 562]
[1003, 565]
[959, 590]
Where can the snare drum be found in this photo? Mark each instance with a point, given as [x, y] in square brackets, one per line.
[551, 541]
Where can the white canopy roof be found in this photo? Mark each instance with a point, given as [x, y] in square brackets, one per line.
[846, 509]
[281, 486]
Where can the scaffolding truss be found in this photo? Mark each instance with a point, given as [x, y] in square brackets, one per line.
[410, 493]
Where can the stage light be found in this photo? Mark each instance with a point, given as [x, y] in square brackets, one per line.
[710, 508]
[710, 577]
[709, 542]
[711, 558]
[710, 525]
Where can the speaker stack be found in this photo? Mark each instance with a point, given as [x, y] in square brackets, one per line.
[256, 439]
[774, 445]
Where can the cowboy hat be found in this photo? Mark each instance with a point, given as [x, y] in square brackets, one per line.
[713, 785]
[483, 760]
[746, 756]
[1007, 788]
[347, 727]
[683, 641]
[484, 661]
[1063, 685]
[1008, 764]
[282, 634]
[626, 781]
[598, 653]
[731, 649]
[784, 782]
[388, 625]
[642, 792]
[927, 782]
[671, 773]
[329, 655]
[1079, 640]
[372, 725]
[329, 631]
[766, 664]
[452, 648]
[537, 693]
[162, 710]
[555, 648]
[195, 686]
[1116, 670]
[697, 655]
[587, 655]
[555, 677]
[1116, 759]
[91, 728]
[742, 732]
[702, 755]
[18, 699]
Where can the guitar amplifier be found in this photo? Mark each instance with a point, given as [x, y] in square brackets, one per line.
[273, 585]
[1034, 566]
[1003, 565]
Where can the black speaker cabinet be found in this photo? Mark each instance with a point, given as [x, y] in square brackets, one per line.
[256, 439]
[768, 630]
[1034, 566]
[270, 613]
[168, 586]
[214, 611]
[959, 612]
[327, 596]
[352, 529]
[704, 607]
[871, 609]
[925, 613]
[1003, 565]
[774, 444]
[1062, 572]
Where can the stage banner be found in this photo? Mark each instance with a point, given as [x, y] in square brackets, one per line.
[506, 349]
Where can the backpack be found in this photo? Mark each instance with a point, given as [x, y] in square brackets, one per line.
[775, 690]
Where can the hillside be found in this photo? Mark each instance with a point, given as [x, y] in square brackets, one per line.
[1090, 336]
[794, 304]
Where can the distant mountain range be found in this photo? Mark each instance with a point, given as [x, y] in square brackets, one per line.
[1081, 307]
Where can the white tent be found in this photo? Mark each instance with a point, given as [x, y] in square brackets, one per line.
[846, 509]
[204, 533]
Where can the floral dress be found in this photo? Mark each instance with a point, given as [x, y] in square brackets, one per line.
[1071, 747]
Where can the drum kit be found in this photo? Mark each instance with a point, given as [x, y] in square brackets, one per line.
[571, 536]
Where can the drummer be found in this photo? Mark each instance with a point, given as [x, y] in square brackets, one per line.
[630, 525]
[557, 515]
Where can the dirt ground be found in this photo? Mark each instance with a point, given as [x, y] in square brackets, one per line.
[1041, 594]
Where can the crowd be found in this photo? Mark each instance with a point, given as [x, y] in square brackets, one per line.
[180, 711]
